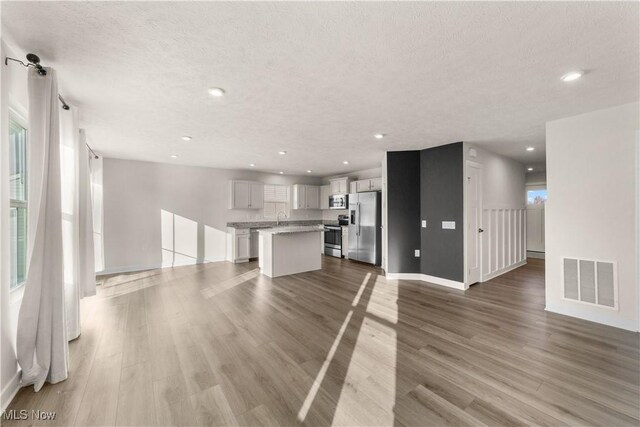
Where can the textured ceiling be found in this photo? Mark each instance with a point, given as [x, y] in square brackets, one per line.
[319, 79]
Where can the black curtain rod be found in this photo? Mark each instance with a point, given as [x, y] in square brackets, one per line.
[34, 61]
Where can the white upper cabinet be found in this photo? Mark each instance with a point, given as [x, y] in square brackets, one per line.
[246, 195]
[325, 192]
[375, 184]
[363, 185]
[306, 196]
[370, 184]
[340, 185]
[313, 197]
[257, 196]
[299, 197]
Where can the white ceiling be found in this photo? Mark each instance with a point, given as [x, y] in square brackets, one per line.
[319, 79]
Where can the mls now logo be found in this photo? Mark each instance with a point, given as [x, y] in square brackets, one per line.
[23, 414]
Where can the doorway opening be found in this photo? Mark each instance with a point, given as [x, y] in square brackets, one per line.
[536, 195]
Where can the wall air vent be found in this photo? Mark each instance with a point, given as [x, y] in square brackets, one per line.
[590, 282]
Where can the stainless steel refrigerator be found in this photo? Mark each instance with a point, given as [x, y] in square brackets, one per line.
[365, 219]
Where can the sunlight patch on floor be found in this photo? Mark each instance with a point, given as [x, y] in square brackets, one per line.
[218, 288]
[375, 347]
[304, 410]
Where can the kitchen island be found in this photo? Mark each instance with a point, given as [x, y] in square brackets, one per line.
[290, 250]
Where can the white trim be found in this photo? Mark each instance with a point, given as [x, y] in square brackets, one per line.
[10, 390]
[465, 224]
[504, 270]
[128, 269]
[602, 318]
[535, 254]
[429, 279]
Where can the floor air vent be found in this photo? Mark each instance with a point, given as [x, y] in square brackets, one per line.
[591, 282]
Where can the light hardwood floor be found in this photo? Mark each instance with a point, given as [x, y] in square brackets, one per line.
[219, 344]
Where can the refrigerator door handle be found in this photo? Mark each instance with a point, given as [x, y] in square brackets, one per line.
[359, 215]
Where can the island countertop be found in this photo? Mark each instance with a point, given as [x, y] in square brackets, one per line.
[292, 229]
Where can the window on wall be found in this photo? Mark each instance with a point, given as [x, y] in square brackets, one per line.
[18, 201]
[276, 199]
[537, 196]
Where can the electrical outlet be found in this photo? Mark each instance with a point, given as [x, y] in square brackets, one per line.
[417, 253]
[424, 223]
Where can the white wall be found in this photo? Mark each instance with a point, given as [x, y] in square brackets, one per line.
[503, 211]
[536, 178]
[141, 199]
[590, 212]
[13, 82]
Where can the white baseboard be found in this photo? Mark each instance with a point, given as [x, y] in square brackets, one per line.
[10, 390]
[128, 269]
[426, 278]
[534, 254]
[602, 318]
[504, 270]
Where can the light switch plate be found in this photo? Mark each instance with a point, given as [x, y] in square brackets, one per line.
[424, 223]
[417, 253]
[448, 225]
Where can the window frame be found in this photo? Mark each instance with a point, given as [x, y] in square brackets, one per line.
[17, 118]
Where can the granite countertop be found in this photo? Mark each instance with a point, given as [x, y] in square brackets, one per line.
[272, 224]
[292, 229]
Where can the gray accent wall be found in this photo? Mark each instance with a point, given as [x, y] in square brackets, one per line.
[403, 211]
[442, 199]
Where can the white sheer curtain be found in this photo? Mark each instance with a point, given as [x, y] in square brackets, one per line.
[95, 166]
[86, 265]
[42, 347]
[77, 221]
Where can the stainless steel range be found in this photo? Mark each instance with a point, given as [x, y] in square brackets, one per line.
[333, 237]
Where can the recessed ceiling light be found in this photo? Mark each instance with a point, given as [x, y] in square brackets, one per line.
[378, 135]
[216, 91]
[573, 75]
[529, 169]
[173, 156]
[346, 162]
[530, 148]
[281, 172]
[253, 165]
[186, 138]
[309, 171]
[282, 153]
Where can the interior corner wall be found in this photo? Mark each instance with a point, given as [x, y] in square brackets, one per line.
[150, 207]
[590, 211]
[403, 211]
[442, 199]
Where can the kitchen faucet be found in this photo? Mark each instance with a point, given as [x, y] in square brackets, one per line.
[278, 217]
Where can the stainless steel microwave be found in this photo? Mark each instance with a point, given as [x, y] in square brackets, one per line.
[339, 201]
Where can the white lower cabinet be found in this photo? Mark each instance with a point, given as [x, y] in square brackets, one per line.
[240, 239]
[243, 247]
